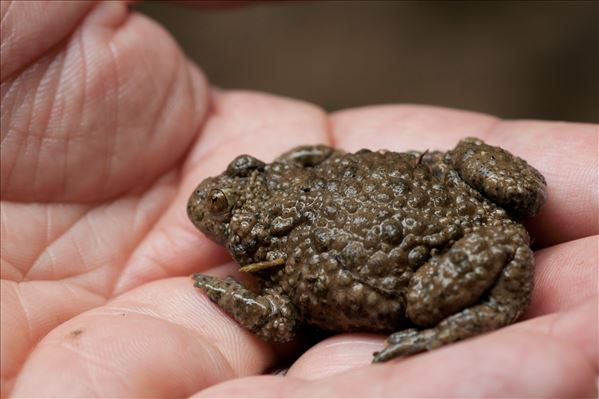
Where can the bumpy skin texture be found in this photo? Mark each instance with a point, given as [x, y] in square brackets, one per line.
[424, 244]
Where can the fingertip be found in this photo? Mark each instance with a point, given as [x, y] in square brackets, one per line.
[565, 276]
[335, 355]
[265, 386]
[580, 326]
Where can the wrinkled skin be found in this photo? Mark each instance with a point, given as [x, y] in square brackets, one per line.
[96, 297]
[374, 241]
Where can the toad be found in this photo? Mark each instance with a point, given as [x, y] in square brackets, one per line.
[423, 245]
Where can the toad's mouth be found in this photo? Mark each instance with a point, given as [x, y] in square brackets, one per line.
[195, 213]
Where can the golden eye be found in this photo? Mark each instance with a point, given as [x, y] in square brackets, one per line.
[217, 201]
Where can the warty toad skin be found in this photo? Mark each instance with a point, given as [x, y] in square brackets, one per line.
[423, 245]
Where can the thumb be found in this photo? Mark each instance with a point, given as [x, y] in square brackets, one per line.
[96, 100]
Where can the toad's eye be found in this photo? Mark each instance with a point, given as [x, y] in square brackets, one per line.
[217, 201]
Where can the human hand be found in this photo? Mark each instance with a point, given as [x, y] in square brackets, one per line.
[106, 130]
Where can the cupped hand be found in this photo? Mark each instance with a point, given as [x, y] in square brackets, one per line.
[107, 128]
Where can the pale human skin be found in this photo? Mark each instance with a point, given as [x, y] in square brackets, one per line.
[107, 128]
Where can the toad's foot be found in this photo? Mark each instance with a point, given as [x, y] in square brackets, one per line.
[470, 322]
[271, 316]
[443, 295]
[405, 343]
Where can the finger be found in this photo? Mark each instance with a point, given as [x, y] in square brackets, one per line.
[48, 23]
[576, 327]
[29, 311]
[565, 153]
[262, 125]
[109, 108]
[163, 339]
[335, 355]
[239, 123]
[565, 276]
[537, 358]
[406, 127]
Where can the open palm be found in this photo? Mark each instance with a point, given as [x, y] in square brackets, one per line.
[107, 128]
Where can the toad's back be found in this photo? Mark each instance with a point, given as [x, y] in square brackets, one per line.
[360, 225]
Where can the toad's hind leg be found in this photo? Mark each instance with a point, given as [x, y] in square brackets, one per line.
[271, 316]
[502, 177]
[481, 283]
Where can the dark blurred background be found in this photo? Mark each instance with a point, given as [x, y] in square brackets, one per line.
[531, 59]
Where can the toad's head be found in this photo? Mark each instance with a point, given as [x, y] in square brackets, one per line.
[215, 200]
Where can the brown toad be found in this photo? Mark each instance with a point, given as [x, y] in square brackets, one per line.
[421, 243]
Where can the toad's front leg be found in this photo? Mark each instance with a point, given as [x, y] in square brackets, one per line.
[271, 316]
[481, 283]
